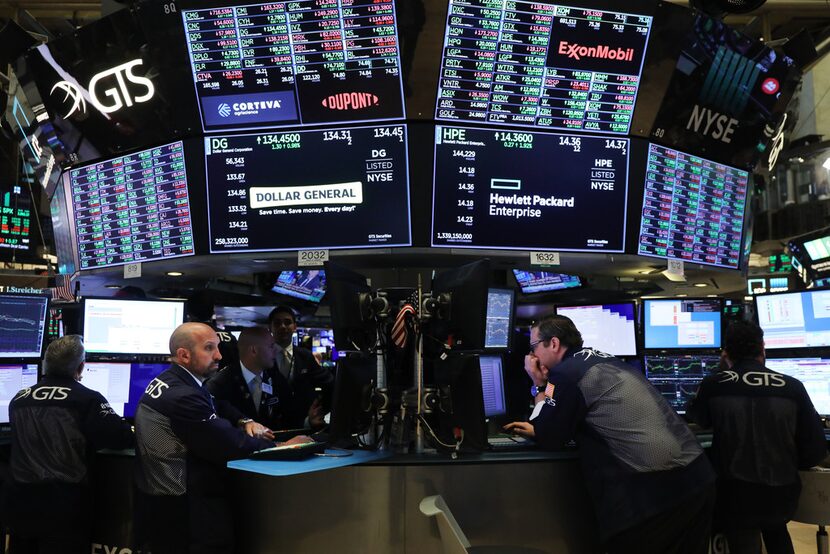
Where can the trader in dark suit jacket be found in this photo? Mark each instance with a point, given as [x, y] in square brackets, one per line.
[250, 385]
[309, 384]
[183, 441]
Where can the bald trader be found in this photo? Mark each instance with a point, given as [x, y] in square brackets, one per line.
[183, 442]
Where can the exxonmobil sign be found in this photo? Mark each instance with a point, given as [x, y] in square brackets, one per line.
[602, 52]
[350, 101]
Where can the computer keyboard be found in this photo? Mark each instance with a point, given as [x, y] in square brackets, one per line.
[289, 451]
[510, 442]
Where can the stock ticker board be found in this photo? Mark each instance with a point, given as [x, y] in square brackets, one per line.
[334, 188]
[133, 208]
[15, 219]
[559, 192]
[295, 63]
[543, 65]
[693, 209]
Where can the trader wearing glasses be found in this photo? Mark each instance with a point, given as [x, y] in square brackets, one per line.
[651, 485]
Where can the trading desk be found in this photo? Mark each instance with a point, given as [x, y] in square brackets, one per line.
[534, 499]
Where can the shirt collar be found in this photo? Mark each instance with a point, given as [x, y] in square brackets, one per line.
[199, 381]
[247, 374]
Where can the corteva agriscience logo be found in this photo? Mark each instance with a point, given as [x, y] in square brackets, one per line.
[280, 197]
[224, 110]
[602, 52]
[249, 108]
[257, 109]
[350, 101]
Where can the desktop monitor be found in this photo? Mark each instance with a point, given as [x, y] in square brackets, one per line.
[351, 401]
[814, 373]
[121, 383]
[795, 319]
[544, 281]
[306, 284]
[346, 292]
[682, 323]
[678, 377]
[137, 327]
[464, 294]
[499, 319]
[492, 386]
[22, 325]
[605, 327]
[13, 378]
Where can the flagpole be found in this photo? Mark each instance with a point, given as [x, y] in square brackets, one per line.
[419, 375]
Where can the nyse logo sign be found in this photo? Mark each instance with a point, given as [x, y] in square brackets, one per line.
[109, 90]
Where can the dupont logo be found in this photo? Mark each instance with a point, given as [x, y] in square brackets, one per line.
[224, 110]
[770, 86]
[350, 101]
[577, 52]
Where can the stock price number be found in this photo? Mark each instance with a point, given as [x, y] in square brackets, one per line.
[235, 176]
[345, 135]
[240, 193]
[573, 142]
[612, 144]
[515, 140]
[465, 219]
[384, 132]
[467, 187]
[282, 138]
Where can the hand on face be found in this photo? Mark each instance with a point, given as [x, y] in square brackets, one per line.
[535, 370]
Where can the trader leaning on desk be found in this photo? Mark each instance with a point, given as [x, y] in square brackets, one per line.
[184, 442]
[651, 485]
[57, 425]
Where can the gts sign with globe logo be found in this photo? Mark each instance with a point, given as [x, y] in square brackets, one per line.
[117, 95]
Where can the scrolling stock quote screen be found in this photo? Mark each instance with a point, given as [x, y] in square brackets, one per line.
[336, 188]
[554, 182]
[295, 63]
[543, 65]
[132, 208]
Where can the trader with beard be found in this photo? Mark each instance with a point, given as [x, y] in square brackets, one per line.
[183, 442]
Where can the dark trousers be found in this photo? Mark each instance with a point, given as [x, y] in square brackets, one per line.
[748, 541]
[682, 529]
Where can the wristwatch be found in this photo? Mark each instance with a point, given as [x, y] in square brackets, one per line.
[243, 421]
[534, 390]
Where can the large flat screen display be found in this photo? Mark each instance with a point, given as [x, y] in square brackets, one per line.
[693, 209]
[682, 323]
[339, 188]
[306, 284]
[814, 374]
[558, 192]
[294, 63]
[605, 327]
[677, 378]
[122, 384]
[15, 221]
[727, 96]
[795, 319]
[541, 65]
[22, 325]
[131, 209]
[113, 326]
[544, 281]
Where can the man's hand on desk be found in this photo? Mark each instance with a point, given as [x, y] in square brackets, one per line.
[254, 429]
[521, 428]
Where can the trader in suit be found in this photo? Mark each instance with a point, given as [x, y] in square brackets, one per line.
[309, 383]
[184, 440]
[250, 386]
[57, 425]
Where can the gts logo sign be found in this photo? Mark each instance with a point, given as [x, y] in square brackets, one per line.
[45, 393]
[155, 388]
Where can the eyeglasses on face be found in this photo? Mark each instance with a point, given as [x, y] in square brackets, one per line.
[535, 343]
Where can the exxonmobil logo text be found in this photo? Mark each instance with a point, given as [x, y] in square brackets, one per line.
[578, 51]
[350, 101]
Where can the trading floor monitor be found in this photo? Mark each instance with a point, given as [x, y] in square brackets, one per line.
[22, 326]
[678, 377]
[14, 378]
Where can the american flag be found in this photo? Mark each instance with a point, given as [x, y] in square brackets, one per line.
[63, 288]
[405, 322]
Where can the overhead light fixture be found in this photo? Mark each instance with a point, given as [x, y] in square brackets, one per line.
[701, 285]
[174, 273]
[711, 296]
[681, 295]
[645, 271]
[112, 286]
